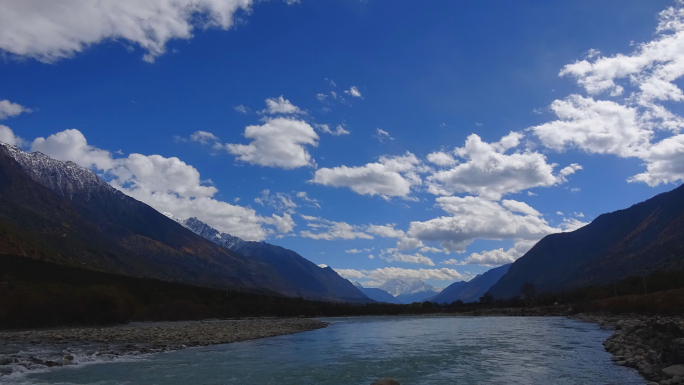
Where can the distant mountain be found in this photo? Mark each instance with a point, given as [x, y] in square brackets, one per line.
[63, 213]
[311, 281]
[472, 290]
[409, 290]
[377, 294]
[646, 237]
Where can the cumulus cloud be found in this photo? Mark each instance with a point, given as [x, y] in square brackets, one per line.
[8, 108]
[7, 136]
[72, 145]
[638, 121]
[339, 130]
[496, 257]
[280, 105]
[473, 218]
[278, 142]
[328, 230]
[441, 159]
[390, 176]
[489, 172]
[596, 126]
[354, 92]
[49, 31]
[383, 274]
[167, 184]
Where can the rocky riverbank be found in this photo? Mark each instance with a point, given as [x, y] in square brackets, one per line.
[654, 345]
[22, 351]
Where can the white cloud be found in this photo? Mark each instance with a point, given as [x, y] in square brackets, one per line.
[559, 213]
[415, 258]
[382, 135]
[579, 215]
[277, 143]
[490, 172]
[441, 159]
[496, 257]
[49, 31]
[383, 274]
[572, 224]
[354, 92]
[386, 231]
[312, 201]
[203, 137]
[166, 184]
[329, 230]
[242, 109]
[531, 194]
[473, 218]
[643, 84]
[389, 177]
[339, 130]
[279, 201]
[281, 105]
[8, 108]
[321, 97]
[72, 145]
[597, 126]
[7, 136]
[357, 251]
[519, 207]
[665, 162]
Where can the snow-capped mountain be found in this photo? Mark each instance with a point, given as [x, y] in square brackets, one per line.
[403, 286]
[313, 281]
[64, 178]
[409, 290]
[205, 231]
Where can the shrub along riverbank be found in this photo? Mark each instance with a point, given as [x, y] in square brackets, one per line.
[41, 294]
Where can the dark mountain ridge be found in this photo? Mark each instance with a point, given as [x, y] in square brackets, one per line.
[641, 239]
[63, 213]
[312, 281]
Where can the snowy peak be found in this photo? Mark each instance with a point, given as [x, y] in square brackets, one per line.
[404, 286]
[65, 178]
[207, 232]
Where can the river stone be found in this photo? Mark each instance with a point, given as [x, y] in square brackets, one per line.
[674, 370]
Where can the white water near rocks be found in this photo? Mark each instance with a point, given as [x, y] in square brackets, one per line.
[359, 350]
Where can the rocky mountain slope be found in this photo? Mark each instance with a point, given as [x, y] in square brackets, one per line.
[646, 237]
[63, 213]
[312, 281]
[472, 290]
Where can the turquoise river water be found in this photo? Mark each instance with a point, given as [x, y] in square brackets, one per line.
[359, 350]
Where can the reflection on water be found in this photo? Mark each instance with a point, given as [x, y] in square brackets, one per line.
[413, 350]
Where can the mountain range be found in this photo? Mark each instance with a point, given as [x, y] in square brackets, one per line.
[311, 281]
[409, 290]
[641, 239]
[377, 294]
[63, 213]
[472, 290]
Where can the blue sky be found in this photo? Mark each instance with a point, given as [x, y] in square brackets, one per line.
[427, 135]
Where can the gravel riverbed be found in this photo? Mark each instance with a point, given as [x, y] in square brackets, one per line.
[23, 351]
